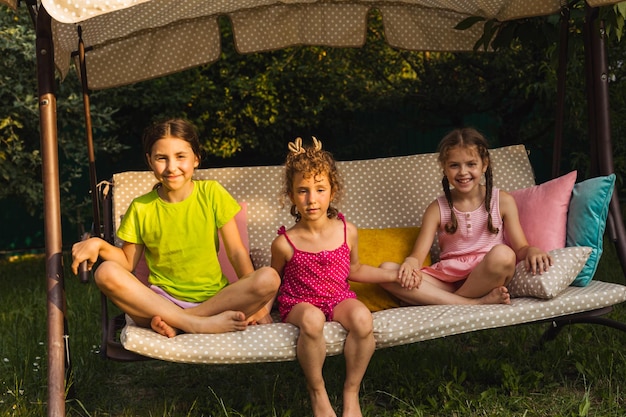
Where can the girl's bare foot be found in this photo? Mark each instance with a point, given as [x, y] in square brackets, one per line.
[158, 325]
[260, 317]
[499, 295]
[227, 321]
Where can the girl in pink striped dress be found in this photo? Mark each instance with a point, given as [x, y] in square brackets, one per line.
[469, 219]
[315, 257]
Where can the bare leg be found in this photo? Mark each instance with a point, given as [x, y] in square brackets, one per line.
[311, 353]
[142, 304]
[358, 350]
[237, 317]
[249, 294]
[493, 272]
[433, 291]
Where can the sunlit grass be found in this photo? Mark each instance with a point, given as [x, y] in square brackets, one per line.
[488, 373]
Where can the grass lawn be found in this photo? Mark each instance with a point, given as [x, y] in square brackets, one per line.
[488, 373]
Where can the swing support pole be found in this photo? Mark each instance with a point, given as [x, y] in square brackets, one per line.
[58, 352]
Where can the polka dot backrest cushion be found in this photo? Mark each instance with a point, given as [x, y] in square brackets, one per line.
[379, 193]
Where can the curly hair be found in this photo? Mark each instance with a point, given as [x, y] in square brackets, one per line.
[467, 138]
[312, 162]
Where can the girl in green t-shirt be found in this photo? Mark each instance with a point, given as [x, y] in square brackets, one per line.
[176, 226]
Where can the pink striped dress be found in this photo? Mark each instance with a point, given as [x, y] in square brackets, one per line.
[462, 251]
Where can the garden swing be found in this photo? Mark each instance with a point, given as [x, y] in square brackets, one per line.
[129, 40]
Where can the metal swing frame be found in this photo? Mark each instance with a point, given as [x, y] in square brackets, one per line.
[58, 338]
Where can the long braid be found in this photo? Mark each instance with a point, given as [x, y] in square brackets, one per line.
[451, 226]
[488, 194]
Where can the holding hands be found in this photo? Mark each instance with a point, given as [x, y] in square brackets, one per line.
[409, 274]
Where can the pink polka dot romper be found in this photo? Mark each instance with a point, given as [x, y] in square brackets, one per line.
[320, 279]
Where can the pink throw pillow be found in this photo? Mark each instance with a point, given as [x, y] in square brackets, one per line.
[241, 218]
[543, 211]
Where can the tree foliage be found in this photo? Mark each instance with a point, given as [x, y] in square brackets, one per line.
[361, 102]
[20, 160]
[540, 34]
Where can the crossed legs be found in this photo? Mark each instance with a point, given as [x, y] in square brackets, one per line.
[484, 285]
[226, 311]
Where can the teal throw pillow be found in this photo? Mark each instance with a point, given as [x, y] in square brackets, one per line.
[586, 221]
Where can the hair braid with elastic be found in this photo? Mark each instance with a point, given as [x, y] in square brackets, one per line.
[488, 195]
[452, 225]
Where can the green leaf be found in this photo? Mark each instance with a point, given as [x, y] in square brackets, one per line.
[469, 22]
[620, 8]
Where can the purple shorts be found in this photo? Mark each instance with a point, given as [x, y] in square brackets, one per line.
[179, 303]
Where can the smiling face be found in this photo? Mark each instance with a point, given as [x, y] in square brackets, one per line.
[173, 162]
[311, 195]
[464, 168]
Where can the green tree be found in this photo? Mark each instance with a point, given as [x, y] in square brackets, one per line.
[362, 102]
[20, 161]
[541, 34]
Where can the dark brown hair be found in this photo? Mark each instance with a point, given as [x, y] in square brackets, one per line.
[177, 128]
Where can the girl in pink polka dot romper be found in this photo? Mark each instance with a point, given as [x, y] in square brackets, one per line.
[469, 219]
[315, 258]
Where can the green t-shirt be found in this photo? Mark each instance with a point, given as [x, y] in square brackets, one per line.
[180, 239]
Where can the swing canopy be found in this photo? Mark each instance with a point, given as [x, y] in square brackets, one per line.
[135, 40]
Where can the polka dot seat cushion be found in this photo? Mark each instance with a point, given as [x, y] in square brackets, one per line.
[397, 326]
[380, 193]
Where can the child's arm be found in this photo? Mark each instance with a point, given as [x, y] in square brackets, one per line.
[536, 260]
[424, 241]
[366, 273]
[239, 257]
[280, 252]
[91, 249]
[235, 249]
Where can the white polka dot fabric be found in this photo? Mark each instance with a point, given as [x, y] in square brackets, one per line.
[566, 264]
[380, 193]
[397, 326]
[134, 40]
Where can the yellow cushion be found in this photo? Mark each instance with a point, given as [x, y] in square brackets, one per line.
[383, 245]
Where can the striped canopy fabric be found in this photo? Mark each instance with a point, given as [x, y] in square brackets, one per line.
[135, 40]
